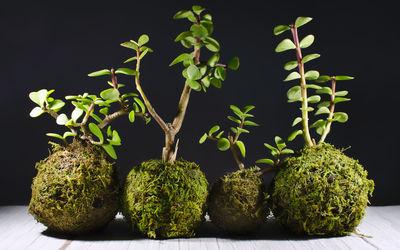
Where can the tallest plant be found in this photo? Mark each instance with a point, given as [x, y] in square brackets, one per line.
[319, 190]
[166, 197]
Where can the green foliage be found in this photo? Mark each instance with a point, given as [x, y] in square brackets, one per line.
[276, 152]
[237, 202]
[75, 190]
[165, 200]
[321, 191]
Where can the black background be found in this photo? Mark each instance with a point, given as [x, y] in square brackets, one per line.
[56, 45]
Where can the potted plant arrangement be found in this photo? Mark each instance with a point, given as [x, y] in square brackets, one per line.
[237, 201]
[76, 188]
[318, 190]
[164, 198]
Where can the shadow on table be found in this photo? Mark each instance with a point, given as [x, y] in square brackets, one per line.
[119, 230]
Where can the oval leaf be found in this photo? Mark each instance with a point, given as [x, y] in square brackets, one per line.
[312, 75]
[213, 130]
[290, 65]
[110, 94]
[300, 21]
[292, 76]
[203, 138]
[266, 161]
[131, 116]
[223, 144]
[294, 93]
[340, 117]
[294, 134]
[342, 78]
[62, 119]
[96, 131]
[307, 41]
[296, 121]
[36, 111]
[314, 99]
[233, 64]
[126, 71]
[280, 29]
[110, 151]
[241, 147]
[193, 84]
[285, 45]
[310, 57]
[100, 73]
[143, 39]
[193, 72]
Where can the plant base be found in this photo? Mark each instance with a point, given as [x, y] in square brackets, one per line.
[76, 189]
[165, 200]
[321, 191]
[237, 202]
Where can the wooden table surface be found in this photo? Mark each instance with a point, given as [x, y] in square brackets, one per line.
[18, 230]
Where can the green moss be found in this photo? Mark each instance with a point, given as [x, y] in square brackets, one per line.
[237, 202]
[76, 189]
[164, 200]
[321, 191]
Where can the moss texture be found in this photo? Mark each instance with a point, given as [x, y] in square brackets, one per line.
[165, 200]
[237, 202]
[321, 191]
[75, 190]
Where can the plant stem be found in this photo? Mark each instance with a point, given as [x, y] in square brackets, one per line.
[303, 85]
[235, 153]
[327, 128]
[109, 118]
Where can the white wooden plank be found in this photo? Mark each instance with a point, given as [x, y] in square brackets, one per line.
[18, 230]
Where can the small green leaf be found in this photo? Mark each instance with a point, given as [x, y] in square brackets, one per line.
[285, 45]
[206, 81]
[100, 73]
[216, 82]
[280, 143]
[314, 99]
[219, 134]
[183, 14]
[130, 45]
[307, 41]
[341, 93]
[109, 131]
[300, 21]
[342, 78]
[128, 95]
[130, 59]
[292, 76]
[207, 17]
[193, 84]
[62, 119]
[110, 94]
[324, 104]
[76, 113]
[183, 35]
[68, 134]
[234, 119]
[250, 123]
[223, 144]
[110, 151]
[213, 60]
[36, 111]
[310, 57]
[141, 104]
[241, 147]
[197, 9]
[270, 147]
[234, 130]
[294, 134]
[266, 161]
[313, 86]
[115, 140]
[242, 130]
[290, 65]
[143, 39]
[96, 131]
[212, 44]
[213, 130]
[181, 58]
[104, 111]
[131, 116]
[280, 29]
[319, 123]
[340, 117]
[193, 72]
[324, 90]
[341, 99]
[322, 110]
[294, 93]
[126, 71]
[220, 73]
[236, 110]
[323, 78]
[198, 31]
[233, 64]
[56, 105]
[312, 75]
[248, 108]
[39, 97]
[55, 135]
[296, 121]
[287, 151]
[203, 138]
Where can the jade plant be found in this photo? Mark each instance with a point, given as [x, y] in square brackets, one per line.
[76, 188]
[318, 190]
[237, 201]
[165, 197]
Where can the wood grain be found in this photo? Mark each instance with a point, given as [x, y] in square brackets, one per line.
[18, 230]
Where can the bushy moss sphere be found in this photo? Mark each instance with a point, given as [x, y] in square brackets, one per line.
[237, 202]
[321, 191]
[165, 200]
[75, 190]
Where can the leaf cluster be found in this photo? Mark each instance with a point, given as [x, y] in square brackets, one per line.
[276, 152]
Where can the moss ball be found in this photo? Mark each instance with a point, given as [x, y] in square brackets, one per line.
[237, 202]
[321, 191]
[75, 190]
[165, 200]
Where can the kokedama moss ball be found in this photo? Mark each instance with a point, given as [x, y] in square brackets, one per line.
[321, 191]
[76, 189]
[165, 200]
[237, 202]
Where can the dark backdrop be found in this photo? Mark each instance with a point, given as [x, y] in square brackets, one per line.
[57, 45]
